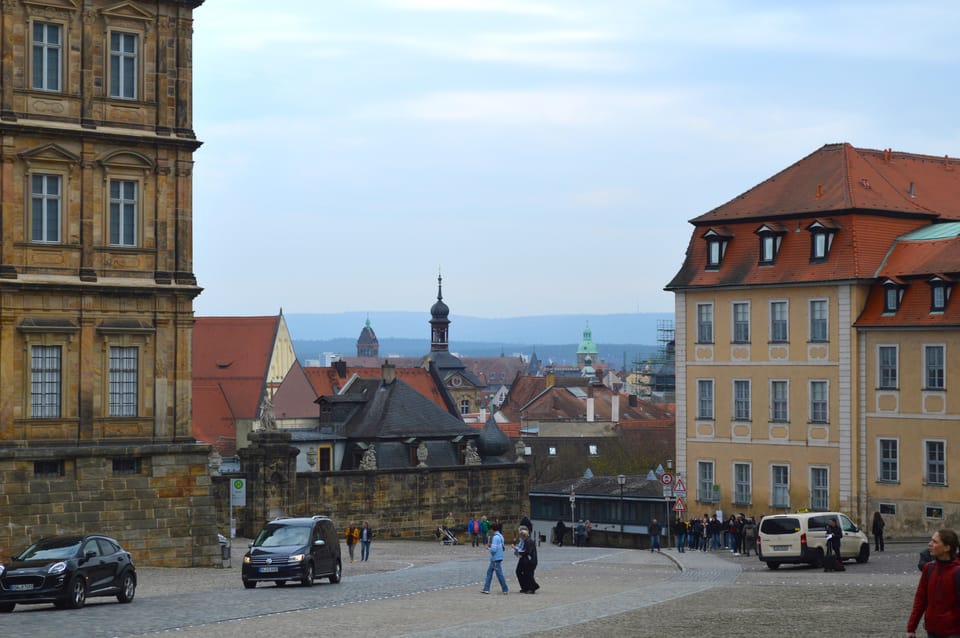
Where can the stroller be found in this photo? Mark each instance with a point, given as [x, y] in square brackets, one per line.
[446, 536]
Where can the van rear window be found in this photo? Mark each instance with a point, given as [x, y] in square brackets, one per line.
[774, 526]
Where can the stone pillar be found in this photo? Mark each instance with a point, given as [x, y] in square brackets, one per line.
[270, 464]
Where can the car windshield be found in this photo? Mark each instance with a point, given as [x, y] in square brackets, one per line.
[278, 535]
[47, 550]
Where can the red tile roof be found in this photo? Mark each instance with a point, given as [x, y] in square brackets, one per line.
[326, 381]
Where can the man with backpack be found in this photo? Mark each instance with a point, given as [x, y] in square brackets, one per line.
[936, 596]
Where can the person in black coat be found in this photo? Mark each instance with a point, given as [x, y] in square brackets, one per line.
[558, 532]
[526, 551]
[834, 534]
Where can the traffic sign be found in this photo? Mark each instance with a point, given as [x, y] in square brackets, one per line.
[679, 506]
[666, 478]
[238, 493]
[680, 488]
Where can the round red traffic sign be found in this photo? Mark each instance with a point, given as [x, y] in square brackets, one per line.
[666, 478]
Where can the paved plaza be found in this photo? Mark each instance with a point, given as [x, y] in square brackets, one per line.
[419, 589]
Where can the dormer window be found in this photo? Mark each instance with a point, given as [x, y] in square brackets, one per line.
[717, 241]
[771, 236]
[939, 293]
[821, 239]
[892, 295]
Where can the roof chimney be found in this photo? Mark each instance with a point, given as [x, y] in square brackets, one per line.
[341, 367]
[913, 190]
[590, 409]
[389, 373]
[819, 191]
[615, 407]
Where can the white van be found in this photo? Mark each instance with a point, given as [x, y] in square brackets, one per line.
[802, 538]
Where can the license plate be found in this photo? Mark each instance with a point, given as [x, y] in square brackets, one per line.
[268, 570]
[781, 548]
[26, 587]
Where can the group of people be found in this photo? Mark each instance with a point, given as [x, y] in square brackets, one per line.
[525, 549]
[362, 535]
[581, 533]
[708, 533]
[479, 530]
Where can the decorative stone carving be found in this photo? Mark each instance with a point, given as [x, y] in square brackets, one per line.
[520, 448]
[470, 455]
[422, 454]
[268, 422]
[369, 460]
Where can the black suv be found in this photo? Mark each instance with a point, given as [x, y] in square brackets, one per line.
[302, 549]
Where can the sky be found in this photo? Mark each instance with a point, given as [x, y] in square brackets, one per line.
[545, 156]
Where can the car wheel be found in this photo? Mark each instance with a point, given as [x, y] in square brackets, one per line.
[864, 554]
[6, 608]
[337, 572]
[773, 565]
[307, 580]
[128, 587]
[76, 593]
[249, 584]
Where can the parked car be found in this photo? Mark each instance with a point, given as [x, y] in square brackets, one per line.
[802, 538]
[66, 570]
[301, 549]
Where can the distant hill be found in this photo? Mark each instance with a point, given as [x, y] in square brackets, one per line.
[629, 328]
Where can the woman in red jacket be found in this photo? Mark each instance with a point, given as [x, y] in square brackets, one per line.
[936, 598]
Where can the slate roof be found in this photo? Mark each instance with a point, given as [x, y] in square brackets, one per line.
[326, 381]
[635, 487]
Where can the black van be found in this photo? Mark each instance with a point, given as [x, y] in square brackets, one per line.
[301, 549]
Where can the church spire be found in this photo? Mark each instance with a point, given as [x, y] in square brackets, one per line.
[439, 322]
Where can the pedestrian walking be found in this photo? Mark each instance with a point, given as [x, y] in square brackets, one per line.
[936, 597]
[366, 535]
[680, 532]
[878, 526]
[526, 551]
[496, 561]
[352, 535]
[654, 530]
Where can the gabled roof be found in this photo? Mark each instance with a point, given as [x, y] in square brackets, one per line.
[495, 371]
[839, 177]
[327, 381]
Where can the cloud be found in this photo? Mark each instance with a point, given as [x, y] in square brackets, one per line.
[514, 7]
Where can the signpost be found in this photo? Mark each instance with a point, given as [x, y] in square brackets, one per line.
[238, 498]
[573, 515]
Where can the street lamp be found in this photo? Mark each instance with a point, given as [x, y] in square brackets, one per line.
[621, 479]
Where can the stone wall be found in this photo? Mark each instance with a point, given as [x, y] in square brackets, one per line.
[157, 502]
[398, 503]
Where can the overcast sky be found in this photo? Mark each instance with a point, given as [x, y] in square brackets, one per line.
[545, 155]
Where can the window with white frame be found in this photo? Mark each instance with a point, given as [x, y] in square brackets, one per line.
[939, 293]
[821, 239]
[552, 451]
[889, 460]
[887, 367]
[705, 398]
[819, 488]
[45, 380]
[45, 206]
[778, 322]
[934, 367]
[593, 450]
[818, 320]
[936, 462]
[705, 482]
[742, 493]
[716, 248]
[124, 370]
[780, 486]
[819, 410]
[892, 295]
[705, 323]
[741, 400]
[779, 401]
[741, 322]
[123, 65]
[47, 56]
[123, 212]
[770, 240]
[464, 406]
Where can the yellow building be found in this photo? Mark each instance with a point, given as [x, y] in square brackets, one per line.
[771, 363]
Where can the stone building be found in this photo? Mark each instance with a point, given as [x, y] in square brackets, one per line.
[367, 343]
[96, 278]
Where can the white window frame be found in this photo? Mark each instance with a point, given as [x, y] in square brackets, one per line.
[934, 368]
[464, 406]
[124, 212]
[742, 483]
[888, 465]
[124, 376]
[706, 399]
[742, 397]
[46, 381]
[593, 450]
[888, 373]
[704, 323]
[775, 413]
[45, 53]
[780, 485]
[124, 71]
[819, 401]
[46, 208]
[819, 325]
[741, 321]
[778, 324]
[935, 464]
[819, 490]
[706, 479]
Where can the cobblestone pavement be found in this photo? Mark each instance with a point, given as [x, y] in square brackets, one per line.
[425, 590]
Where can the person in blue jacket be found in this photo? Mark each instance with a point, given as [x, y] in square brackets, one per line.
[496, 561]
